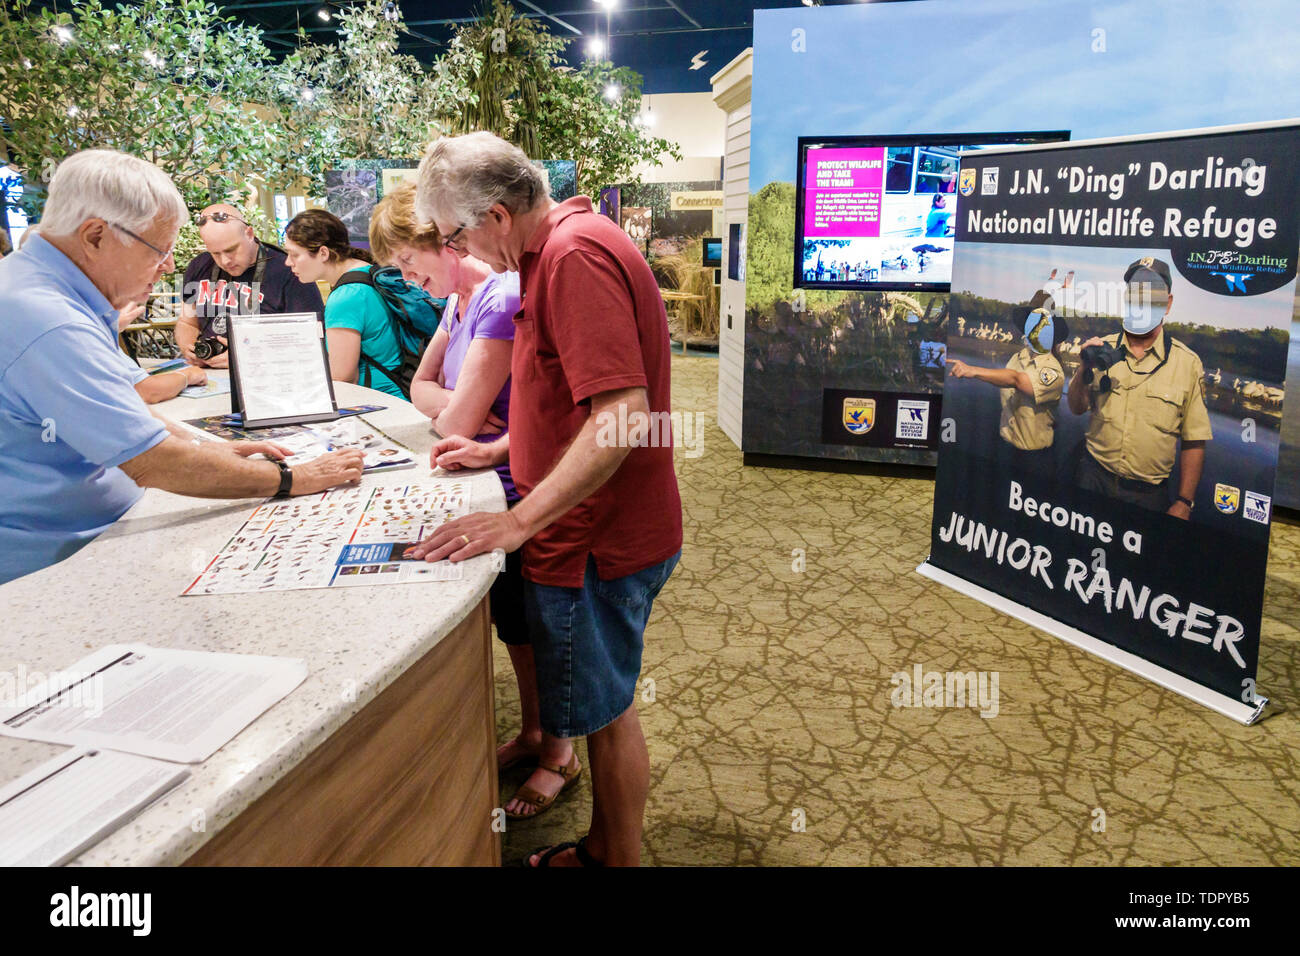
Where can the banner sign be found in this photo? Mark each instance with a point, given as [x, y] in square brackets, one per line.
[1116, 358]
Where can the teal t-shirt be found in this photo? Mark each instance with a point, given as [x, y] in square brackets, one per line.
[358, 307]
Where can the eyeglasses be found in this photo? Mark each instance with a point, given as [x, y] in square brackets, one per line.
[451, 242]
[164, 256]
[202, 220]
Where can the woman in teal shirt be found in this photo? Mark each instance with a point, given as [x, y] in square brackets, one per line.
[356, 320]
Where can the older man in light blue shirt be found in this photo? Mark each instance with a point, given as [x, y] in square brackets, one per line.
[69, 414]
[77, 443]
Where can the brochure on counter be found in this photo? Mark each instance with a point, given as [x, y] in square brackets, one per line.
[344, 537]
[311, 441]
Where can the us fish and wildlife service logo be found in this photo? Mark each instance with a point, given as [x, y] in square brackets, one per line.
[1227, 498]
[966, 181]
[859, 415]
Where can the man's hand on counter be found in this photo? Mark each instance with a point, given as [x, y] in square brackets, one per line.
[471, 535]
[201, 469]
[335, 468]
[268, 448]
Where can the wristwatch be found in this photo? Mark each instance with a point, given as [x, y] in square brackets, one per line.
[1187, 501]
[286, 478]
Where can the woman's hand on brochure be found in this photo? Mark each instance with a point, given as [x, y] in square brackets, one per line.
[319, 474]
[456, 452]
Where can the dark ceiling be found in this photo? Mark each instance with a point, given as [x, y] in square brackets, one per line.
[675, 44]
[658, 38]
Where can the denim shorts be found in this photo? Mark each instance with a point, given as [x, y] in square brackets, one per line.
[587, 645]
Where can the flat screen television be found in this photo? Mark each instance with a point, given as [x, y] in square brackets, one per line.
[879, 212]
[712, 251]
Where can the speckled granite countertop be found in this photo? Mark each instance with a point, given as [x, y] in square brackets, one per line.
[125, 587]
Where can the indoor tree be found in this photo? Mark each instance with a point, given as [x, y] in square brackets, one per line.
[514, 59]
[593, 115]
[366, 100]
[169, 80]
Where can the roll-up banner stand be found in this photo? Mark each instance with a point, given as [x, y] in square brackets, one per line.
[1117, 350]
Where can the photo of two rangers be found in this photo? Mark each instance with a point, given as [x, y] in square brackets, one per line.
[1143, 388]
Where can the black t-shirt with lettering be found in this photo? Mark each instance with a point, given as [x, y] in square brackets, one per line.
[215, 294]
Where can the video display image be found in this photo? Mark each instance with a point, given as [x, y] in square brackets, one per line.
[881, 214]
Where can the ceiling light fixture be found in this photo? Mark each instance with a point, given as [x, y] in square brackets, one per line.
[595, 47]
[612, 91]
[323, 14]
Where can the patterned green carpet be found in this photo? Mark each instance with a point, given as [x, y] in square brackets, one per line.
[772, 736]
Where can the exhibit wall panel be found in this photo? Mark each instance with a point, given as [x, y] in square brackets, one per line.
[731, 334]
[1115, 68]
[732, 90]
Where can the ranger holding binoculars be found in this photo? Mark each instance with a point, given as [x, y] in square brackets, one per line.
[1145, 391]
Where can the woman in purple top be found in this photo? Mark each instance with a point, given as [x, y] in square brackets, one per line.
[467, 365]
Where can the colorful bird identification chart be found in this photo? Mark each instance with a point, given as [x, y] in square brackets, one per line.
[344, 537]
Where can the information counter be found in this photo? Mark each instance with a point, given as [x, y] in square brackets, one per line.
[384, 755]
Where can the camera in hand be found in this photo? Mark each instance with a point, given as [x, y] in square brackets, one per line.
[205, 349]
[1098, 358]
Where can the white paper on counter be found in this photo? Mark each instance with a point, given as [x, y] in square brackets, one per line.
[71, 802]
[170, 704]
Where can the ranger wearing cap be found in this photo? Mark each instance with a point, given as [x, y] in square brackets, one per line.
[1031, 383]
[1144, 404]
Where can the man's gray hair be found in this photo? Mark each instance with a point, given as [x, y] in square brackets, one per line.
[106, 184]
[462, 177]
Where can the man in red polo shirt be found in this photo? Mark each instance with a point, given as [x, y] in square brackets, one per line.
[590, 449]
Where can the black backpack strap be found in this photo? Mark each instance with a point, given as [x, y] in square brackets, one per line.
[368, 362]
[353, 276]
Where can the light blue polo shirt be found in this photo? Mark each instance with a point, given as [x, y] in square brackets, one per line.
[69, 412]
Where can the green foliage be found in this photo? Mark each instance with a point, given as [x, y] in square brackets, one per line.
[168, 80]
[366, 99]
[178, 83]
[769, 269]
[576, 120]
[510, 59]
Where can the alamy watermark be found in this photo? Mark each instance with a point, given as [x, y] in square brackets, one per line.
[651, 430]
[922, 688]
[23, 689]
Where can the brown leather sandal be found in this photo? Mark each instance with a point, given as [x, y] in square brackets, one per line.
[541, 802]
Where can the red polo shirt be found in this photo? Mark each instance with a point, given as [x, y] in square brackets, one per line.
[593, 321]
